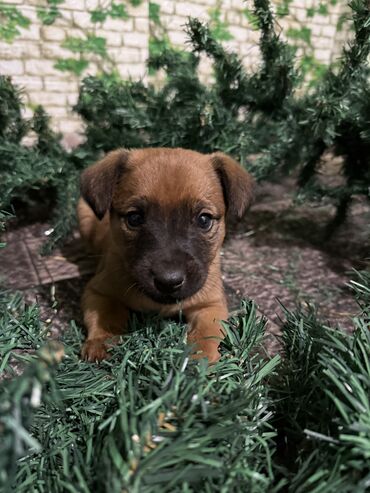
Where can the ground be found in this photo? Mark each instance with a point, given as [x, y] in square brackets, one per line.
[278, 255]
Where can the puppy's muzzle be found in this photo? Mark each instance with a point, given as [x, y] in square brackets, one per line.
[168, 281]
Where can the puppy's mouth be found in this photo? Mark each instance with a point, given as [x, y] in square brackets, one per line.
[164, 299]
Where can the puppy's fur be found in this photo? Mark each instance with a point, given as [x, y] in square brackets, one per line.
[156, 218]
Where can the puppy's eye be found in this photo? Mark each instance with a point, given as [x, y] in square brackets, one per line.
[205, 221]
[134, 219]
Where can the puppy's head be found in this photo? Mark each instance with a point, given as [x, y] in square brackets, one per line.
[167, 212]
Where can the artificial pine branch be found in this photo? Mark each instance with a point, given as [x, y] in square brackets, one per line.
[147, 419]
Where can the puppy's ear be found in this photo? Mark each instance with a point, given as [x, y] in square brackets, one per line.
[97, 182]
[237, 184]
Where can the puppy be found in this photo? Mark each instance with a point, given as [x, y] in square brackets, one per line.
[156, 219]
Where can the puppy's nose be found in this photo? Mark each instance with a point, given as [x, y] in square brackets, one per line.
[169, 281]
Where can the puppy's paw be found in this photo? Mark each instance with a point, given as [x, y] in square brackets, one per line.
[207, 351]
[94, 350]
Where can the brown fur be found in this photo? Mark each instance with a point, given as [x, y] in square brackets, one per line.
[168, 179]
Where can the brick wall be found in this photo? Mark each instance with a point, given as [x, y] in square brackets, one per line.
[326, 41]
[30, 59]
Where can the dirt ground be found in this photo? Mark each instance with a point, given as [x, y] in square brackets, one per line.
[279, 254]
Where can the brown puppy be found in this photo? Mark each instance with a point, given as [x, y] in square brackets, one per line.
[157, 219]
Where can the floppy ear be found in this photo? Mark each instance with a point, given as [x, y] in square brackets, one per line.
[97, 182]
[237, 184]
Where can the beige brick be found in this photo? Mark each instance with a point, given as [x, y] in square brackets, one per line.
[72, 98]
[24, 49]
[239, 33]
[329, 31]
[91, 4]
[68, 125]
[27, 112]
[144, 55]
[30, 83]
[74, 4]
[57, 85]
[141, 10]
[135, 72]
[316, 30]
[141, 24]
[187, 9]
[37, 67]
[167, 7]
[73, 32]
[250, 51]
[126, 55]
[113, 38]
[53, 33]
[53, 51]
[82, 19]
[30, 11]
[233, 17]
[7, 51]
[92, 69]
[237, 4]
[119, 25]
[174, 23]
[178, 38]
[57, 111]
[323, 43]
[231, 46]
[48, 98]
[67, 19]
[33, 2]
[11, 67]
[300, 14]
[322, 55]
[321, 20]
[135, 39]
[31, 33]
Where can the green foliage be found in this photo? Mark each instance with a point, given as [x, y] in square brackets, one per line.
[311, 69]
[83, 47]
[154, 9]
[252, 18]
[150, 419]
[76, 66]
[4, 218]
[11, 19]
[159, 42]
[147, 419]
[48, 15]
[218, 27]
[321, 9]
[336, 116]
[282, 8]
[12, 126]
[91, 44]
[114, 10]
[303, 34]
[322, 402]
[44, 165]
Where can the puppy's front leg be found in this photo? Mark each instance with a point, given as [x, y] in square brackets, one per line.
[205, 331]
[105, 320]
